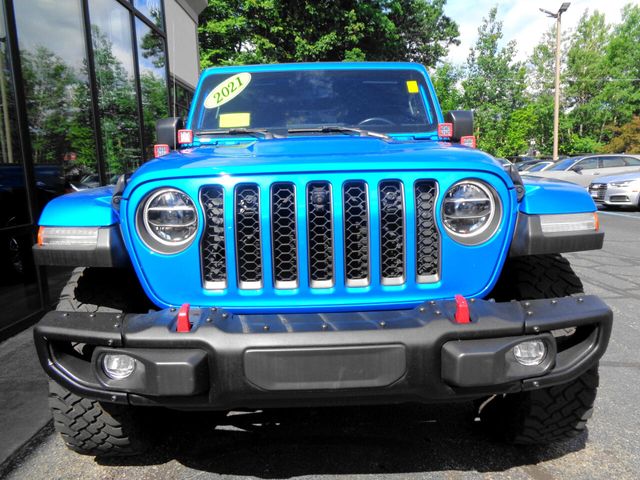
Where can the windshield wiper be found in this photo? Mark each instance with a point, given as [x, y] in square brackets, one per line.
[339, 129]
[254, 132]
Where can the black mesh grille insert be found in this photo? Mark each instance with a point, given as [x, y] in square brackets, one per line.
[391, 231]
[283, 233]
[427, 235]
[320, 232]
[356, 233]
[249, 258]
[214, 265]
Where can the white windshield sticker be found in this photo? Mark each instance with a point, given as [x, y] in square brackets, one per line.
[227, 90]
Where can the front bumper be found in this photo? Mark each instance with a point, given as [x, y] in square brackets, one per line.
[256, 361]
[618, 196]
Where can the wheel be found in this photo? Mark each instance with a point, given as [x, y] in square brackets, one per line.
[376, 121]
[549, 414]
[88, 426]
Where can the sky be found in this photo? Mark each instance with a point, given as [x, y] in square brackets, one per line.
[521, 20]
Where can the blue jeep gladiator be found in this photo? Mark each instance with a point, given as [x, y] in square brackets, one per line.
[320, 234]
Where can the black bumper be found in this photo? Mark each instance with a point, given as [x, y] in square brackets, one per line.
[232, 361]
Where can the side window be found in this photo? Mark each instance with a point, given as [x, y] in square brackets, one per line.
[612, 162]
[588, 163]
[631, 161]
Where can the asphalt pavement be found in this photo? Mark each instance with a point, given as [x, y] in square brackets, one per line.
[400, 442]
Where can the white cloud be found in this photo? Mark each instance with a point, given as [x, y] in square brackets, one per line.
[522, 20]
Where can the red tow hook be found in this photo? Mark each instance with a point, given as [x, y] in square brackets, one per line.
[462, 310]
[183, 324]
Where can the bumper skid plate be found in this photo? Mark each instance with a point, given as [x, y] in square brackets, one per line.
[234, 360]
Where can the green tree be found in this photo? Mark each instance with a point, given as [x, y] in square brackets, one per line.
[266, 31]
[446, 79]
[626, 139]
[586, 76]
[494, 85]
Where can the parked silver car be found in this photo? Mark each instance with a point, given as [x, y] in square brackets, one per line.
[582, 170]
[617, 190]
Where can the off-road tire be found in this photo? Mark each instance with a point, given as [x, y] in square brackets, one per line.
[87, 426]
[548, 414]
[94, 428]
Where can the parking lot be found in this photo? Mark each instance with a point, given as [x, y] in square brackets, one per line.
[409, 441]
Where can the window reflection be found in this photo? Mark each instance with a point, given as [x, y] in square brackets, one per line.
[115, 77]
[152, 9]
[153, 81]
[56, 88]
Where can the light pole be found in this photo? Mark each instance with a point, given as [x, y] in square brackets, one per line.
[556, 106]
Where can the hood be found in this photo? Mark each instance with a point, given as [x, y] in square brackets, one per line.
[618, 178]
[315, 154]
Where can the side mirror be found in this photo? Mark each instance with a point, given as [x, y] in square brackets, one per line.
[167, 131]
[462, 121]
[577, 169]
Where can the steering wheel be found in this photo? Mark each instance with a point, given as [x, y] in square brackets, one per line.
[376, 120]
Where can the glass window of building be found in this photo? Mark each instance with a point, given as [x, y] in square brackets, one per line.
[152, 9]
[116, 85]
[18, 286]
[56, 88]
[152, 62]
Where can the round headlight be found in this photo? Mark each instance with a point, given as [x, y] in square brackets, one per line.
[169, 220]
[471, 212]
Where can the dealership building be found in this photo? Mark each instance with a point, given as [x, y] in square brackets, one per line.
[81, 85]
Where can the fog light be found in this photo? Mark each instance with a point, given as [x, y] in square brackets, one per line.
[118, 366]
[530, 353]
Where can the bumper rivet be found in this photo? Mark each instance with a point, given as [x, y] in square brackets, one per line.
[580, 300]
[422, 309]
[472, 300]
[214, 309]
[536, 329]
[113, 397]
[65, 314]
[529, 313]
[383, 324]
[116, 325]
[438, 312]
[92, 315]
[172, 309]
[110, 342]
[554, 302]
[527, 304]
[225, 315]
[536, 384]
[265, 328]
[119, 316]
[208, 320]
[432, 302]
[325, 326]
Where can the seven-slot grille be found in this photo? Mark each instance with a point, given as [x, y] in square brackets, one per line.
[598, 191]
[314, 206]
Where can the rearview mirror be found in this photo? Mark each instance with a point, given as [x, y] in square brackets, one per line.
[167, 131]
[462, 121]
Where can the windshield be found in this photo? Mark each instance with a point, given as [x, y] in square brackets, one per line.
[537, 167]
[385, 101]
[562, 165]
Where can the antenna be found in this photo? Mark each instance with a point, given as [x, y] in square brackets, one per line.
[173, 55]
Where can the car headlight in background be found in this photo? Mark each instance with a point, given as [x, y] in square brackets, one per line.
[471, 212]
[167, 220]
[625, 183]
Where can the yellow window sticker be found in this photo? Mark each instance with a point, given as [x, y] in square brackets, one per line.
[235, 120]
[412, 86]
[227, 90]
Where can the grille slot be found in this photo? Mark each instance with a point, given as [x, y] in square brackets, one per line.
[356, 233]
[427, 235]
[248, 241]
[392, 234]
[320, 233]
[283, 235]
[213, 252]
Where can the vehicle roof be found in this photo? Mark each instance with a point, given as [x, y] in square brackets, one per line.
[619, 177]
[288, 67]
